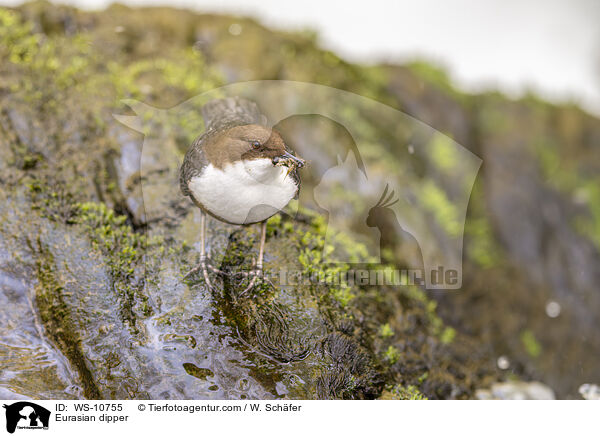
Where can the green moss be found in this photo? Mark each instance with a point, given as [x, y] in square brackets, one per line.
[400, 392]
[448, 335]
[45, 67]
[56, 203]
[493, 119]
[589, 224]
[312, 260]
[274, 224]
[343, 294]
[385, 331]
[430, 72]
[410, 393]
[172, 70]
[437, 203]
[18, 43]
[480, 243]
[315, 257]
[442, 152]
[58, 321]
[564, 173]
[125, 249]
[436, 76]
[416, 296]
[392, 354]
[531, 344]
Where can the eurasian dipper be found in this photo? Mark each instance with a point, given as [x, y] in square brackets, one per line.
[239, 171]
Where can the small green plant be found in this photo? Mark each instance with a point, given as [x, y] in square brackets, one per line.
[400, 392]
[409, 393]
[531, 344]
[385, 331]
[392, 354]
[448, 335]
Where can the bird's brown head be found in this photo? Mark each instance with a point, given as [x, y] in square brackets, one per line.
[249, 142]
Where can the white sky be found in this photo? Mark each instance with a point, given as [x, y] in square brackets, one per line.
[549, 46]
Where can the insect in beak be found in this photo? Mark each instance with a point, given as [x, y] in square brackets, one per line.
[290, 161]
[290, 169]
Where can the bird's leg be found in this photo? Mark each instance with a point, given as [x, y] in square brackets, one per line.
[203, 249]
[202, 265]
[259, 262]
[261, 250]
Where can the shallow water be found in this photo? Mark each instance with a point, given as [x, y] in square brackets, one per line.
[30, 365]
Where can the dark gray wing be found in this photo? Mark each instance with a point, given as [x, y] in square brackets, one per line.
[193, 163]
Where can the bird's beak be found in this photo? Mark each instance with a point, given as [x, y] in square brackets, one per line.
[288, 158]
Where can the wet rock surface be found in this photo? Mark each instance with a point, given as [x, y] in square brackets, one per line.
[95, 240]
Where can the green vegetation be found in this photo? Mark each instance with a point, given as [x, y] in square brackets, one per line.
[582, 186]
[392, 354]
[59, 321]
[385, 331]
[435, 76]
[442, 152]
[531, 344]
[400, 392]
[436, 202]
[448, 335]
[61, 156]
[589, 225]
[125, 251]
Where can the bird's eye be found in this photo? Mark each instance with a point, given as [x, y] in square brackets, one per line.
[255, 144]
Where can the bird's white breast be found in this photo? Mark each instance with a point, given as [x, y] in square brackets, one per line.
[244, 192]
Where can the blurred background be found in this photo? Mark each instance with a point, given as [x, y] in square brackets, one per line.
[99, 308]
[548, 47]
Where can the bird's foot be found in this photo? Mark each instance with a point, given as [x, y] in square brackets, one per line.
[193, 271]
[204, 266]
[253, 282]
[255, 274]
[257, 277]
